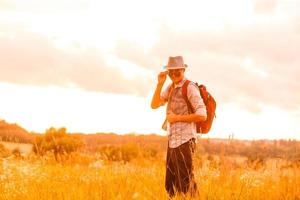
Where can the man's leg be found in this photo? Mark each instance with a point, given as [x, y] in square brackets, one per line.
[170, 174]
[184, 168]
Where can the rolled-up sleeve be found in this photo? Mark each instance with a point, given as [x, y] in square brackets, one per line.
[195, 99]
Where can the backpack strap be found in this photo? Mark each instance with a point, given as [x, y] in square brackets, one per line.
[185, 97]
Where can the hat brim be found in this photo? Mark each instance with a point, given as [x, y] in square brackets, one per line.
[179, 67]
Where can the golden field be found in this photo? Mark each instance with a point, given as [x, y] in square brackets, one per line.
[92, 176]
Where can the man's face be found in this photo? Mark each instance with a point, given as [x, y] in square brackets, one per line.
[176, 75]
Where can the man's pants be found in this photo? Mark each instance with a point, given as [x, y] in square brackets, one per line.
[179, 169]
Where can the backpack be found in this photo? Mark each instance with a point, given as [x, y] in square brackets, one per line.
[210, 104]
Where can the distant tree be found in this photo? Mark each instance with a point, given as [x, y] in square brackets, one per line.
[57, 141]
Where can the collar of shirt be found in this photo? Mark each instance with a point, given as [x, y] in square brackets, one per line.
[180, 84]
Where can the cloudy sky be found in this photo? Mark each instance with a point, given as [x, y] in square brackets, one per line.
[92, 66]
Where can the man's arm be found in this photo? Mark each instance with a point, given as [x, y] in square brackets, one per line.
[171, 117]
[156, 99]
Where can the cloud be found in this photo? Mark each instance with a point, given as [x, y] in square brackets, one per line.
[4, 5]
[29, 58]
[259, 63]
[265, 6]
[134, 52]
[36, 6]
[274, 50]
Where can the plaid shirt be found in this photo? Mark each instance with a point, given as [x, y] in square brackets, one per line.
[181, 132]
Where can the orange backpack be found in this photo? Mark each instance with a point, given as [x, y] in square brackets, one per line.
[210, 104]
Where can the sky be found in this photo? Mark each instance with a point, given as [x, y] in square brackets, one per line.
[92, 66]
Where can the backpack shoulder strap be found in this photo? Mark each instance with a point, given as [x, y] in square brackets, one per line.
[184, 94]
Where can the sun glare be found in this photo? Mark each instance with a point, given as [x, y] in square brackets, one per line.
[71, 27]
[250, 66]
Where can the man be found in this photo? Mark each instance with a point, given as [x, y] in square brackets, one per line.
[180, 126]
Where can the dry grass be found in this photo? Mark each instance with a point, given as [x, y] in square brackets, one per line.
[142, 179]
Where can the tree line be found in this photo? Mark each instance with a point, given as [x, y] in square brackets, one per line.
[123, 147]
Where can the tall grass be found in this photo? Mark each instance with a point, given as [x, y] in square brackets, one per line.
[142, 179]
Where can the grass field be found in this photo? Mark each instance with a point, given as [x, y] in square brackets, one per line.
[86, 178]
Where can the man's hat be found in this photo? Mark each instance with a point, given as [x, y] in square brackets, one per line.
[175, 63]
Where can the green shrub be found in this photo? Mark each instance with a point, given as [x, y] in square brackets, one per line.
[56, 141]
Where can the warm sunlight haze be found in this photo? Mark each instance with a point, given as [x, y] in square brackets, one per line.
[84, 98]
[91, 66]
